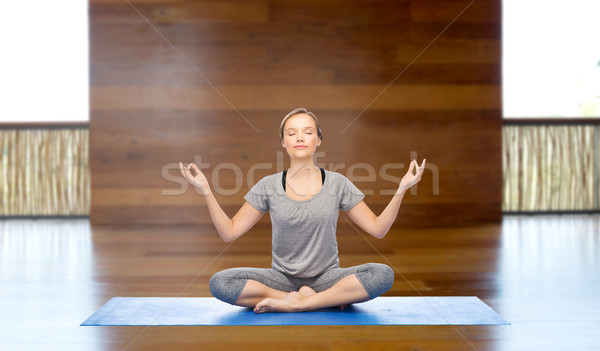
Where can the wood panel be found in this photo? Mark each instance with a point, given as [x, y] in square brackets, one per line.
[210, 81]
[277, 97]
[169, 12]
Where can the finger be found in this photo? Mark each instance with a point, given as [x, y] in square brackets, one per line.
[184, 173]
[416, 166]
[411, 167]
[423, 165]
[421, 168]
[196, 168]
[188, 170]
[181, 168]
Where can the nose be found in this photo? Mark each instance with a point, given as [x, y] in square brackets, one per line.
[300, 137]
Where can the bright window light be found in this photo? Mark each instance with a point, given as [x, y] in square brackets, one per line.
[551, 58]
[44, 62]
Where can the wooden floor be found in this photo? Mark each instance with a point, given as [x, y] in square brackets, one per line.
[540, 273]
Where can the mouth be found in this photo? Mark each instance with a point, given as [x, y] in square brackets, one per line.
[300, 147]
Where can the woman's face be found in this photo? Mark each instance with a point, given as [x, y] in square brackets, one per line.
[300, 137]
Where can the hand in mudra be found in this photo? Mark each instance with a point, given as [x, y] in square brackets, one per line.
[413, 176]
[198, 180]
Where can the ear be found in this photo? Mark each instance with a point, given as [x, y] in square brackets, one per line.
[319, 142]
[283, 143]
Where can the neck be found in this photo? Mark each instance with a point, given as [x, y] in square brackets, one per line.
[302, 166]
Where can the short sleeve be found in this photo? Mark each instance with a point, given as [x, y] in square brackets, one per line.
[351, 195]
[258, 196]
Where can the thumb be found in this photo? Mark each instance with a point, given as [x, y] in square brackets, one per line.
[196, 168]
[182, 170]
[412, 166]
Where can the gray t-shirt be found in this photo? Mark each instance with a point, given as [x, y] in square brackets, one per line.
[304, 232]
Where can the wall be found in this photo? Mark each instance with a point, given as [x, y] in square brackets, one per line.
[210, 81]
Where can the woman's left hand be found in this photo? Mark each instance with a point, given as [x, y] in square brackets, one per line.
[413, 176]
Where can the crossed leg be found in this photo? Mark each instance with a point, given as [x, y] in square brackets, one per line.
[268, 290]
[254, 292]
[264, 299]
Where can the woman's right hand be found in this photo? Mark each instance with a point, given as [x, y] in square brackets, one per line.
[198, 180]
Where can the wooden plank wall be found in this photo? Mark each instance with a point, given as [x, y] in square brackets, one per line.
[210, 81]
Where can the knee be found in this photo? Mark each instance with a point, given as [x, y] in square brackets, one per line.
[226, 287]
[217, 284]
[379, 279]
[387, 274]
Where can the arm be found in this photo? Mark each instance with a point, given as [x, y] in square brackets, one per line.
[378, 226]
[229, 229]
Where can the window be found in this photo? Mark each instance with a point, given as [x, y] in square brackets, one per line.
[551, 106]
[44, 62]
[551, 58]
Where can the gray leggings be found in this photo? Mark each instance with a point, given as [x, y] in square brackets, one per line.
[227, 285]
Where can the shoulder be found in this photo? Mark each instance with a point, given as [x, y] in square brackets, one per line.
[269, 180]
[336, 177]
[273, 177]
[341, 184]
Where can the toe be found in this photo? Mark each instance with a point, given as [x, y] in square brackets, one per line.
[260, 307]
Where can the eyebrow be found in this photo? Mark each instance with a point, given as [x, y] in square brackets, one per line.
[291, 128]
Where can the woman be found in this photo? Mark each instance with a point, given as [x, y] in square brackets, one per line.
[304, 204]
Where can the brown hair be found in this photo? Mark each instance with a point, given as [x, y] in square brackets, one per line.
[296, 112]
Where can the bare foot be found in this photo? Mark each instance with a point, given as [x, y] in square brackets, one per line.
[290, 303]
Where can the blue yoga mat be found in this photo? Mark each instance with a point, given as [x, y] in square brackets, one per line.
[455, 310]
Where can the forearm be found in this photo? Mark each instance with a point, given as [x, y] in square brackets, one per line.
[378, 226]
[222, 222]
[384, 221]
[226, 227]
